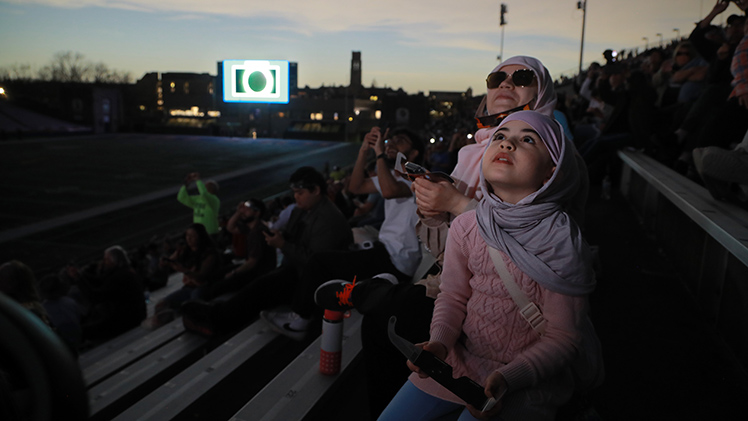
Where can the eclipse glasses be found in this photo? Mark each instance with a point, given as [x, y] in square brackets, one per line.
[521, 77]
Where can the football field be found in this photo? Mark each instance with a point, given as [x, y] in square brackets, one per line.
[70, 198]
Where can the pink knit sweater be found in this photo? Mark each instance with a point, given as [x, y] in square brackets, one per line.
[477, 320]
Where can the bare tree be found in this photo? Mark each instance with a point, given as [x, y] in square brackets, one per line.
[66, 66]
[20, 72]
[100, 73]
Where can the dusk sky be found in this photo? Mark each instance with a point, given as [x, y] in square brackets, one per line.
[439, 45]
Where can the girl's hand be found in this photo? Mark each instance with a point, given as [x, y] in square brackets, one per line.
[436, 348]
[495, 388]
[434, 198]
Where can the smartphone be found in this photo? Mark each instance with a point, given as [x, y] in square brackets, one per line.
[414, 169]
[265, 228]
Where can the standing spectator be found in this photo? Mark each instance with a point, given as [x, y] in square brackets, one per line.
[205, 205]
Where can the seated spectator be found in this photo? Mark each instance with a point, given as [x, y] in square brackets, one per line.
[198, 261]
[398, 251]
[315, 225]
[205, 205]
[259, 258]
[114, 295]
[17, 281]
[725, 172]
[150, 270]
[713, 120]
[64, 313]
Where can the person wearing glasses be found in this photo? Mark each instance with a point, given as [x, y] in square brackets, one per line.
[397, 252]
[315, 225]
[518, 83]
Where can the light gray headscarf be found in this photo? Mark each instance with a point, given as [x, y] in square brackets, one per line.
[539, 237]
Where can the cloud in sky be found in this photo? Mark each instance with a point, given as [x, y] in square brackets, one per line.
[416, 44]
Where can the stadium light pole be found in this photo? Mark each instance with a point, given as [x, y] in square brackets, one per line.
[646, 43]
[659, 34]
[502, 22]
[677, 33]
[582, 5]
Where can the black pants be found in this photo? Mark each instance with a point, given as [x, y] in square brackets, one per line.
[385, 365]
[345, 265]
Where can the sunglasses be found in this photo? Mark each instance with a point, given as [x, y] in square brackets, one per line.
[521, 77]
[413, 171]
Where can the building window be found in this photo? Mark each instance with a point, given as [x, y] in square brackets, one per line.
[210, 88]
[173, 87]
[186, 87]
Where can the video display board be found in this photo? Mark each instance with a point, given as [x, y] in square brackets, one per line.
[265, 81]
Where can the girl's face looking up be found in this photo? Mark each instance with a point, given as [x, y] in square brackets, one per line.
[517, 162]
[508, 95]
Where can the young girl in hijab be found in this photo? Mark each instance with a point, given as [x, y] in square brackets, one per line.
[527, 171]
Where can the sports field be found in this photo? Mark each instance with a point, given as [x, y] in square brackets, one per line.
[69, 198]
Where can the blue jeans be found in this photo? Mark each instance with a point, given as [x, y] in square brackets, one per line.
[413, 404]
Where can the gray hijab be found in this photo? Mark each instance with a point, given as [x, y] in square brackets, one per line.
[536, 233]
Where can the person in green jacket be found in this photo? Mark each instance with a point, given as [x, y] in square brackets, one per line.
[205, 204]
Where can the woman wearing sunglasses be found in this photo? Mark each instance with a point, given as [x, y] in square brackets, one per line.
[519, 83]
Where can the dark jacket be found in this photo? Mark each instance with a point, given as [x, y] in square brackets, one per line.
[322, 228]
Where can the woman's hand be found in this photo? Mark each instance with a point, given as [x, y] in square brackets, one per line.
[433, 199]
[434, 347]
[495, 388]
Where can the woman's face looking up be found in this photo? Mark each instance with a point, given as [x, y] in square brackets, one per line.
[508, 95]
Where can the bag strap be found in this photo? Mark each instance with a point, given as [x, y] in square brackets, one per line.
[529, 311]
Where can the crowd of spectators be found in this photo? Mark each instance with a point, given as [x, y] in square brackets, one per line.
[673, 102]
[685, 104]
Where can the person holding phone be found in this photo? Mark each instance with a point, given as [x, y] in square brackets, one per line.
[260, 257]
[396, 252]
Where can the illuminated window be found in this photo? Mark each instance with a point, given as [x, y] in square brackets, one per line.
[335, 116]
[173, 87]
[281, 114]
[378, 114]
[373, 98]
[142, 108]
[210, 88]
[186, 87]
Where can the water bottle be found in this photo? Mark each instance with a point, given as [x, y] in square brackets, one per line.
[332, 342]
